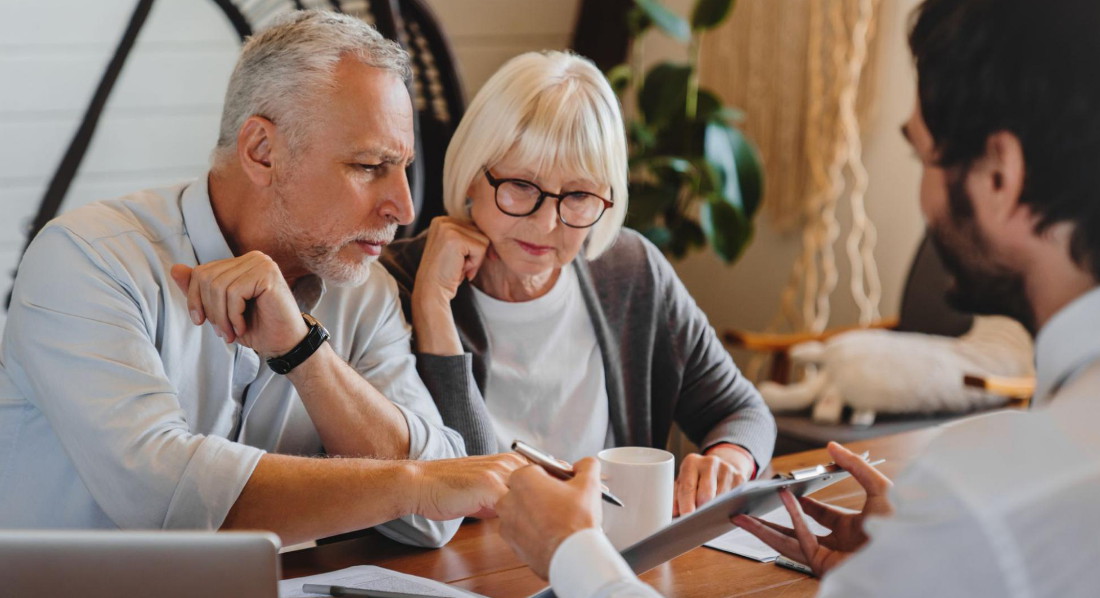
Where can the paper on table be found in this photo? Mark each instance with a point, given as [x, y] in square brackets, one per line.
[369, 577]
[742, 543]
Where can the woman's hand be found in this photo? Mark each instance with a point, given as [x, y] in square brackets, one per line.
[702, 477]
[453, 254]
[824, 553]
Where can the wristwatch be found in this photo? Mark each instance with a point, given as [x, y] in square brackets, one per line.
[309, 345]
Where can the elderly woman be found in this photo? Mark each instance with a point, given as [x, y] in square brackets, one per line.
[576, 332]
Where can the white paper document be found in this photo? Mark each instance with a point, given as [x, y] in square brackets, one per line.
[369, 577]
[742, 543]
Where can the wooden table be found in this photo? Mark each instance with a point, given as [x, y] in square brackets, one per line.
[478, 559]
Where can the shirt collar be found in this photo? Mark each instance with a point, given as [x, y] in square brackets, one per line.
[1068, 342]
[210, 244]
[198, 218]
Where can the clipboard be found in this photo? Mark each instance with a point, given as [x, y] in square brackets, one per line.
[713, 519]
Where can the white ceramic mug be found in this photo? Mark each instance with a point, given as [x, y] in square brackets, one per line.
[642, 478]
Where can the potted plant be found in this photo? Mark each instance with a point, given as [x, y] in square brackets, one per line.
[695, 179]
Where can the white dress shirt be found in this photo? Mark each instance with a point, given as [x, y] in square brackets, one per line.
[117, 412]
[550, 393]
[1003, 504]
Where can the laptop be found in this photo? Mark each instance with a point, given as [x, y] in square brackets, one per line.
[110, 564]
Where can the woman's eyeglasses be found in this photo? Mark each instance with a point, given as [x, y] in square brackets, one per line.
[519, 198]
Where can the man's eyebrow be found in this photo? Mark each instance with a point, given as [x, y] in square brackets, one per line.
[905, 133]
[386, 156]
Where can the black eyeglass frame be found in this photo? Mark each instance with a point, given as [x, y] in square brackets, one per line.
[495, 183]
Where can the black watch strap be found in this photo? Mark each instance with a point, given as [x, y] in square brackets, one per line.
[316, 336]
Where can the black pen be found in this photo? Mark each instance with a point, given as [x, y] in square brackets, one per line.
[554, 467]
[314, 588]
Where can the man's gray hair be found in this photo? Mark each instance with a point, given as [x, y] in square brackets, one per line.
[284, 69]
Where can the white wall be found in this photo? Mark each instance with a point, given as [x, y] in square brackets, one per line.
[486, 33]
[158, 127]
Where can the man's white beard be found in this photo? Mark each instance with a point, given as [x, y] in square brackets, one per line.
[323, 257]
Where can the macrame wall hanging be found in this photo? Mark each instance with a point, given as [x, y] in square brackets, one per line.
[801, 71]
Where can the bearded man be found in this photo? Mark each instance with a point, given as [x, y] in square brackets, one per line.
[166, 362]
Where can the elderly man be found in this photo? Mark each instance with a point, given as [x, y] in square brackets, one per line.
[1008, 133]
[166, 362]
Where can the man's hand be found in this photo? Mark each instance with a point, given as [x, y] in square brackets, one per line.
[246, 299]
[453, 253]
[540, 512]
[702, 477]
[470, 486]
[847, 535]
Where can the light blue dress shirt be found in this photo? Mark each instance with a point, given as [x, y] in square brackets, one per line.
[117, 412]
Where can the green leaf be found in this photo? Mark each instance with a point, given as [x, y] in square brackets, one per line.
[672, 163]
[719, 147]
[686, 235]
[666, 20]
[750, 173]
[736, 165]
[663, 93]
[709, 106]
[640, 136]
[658, 235]
[728, 115]
[619, 78]
[710, 13]
[637, 22]
[726, 228]
[647, 202]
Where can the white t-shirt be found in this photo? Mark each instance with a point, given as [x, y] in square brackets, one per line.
[546, 381]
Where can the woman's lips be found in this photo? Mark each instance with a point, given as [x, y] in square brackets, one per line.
[533, 249]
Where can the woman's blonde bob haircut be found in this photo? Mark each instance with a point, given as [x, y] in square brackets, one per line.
[552, 111]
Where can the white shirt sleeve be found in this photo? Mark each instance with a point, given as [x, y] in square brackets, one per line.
[585, 565]
[935, 544]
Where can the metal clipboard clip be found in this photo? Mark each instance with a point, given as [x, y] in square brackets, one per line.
[797, 475]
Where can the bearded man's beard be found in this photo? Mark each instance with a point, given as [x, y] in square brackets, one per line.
[981, 285]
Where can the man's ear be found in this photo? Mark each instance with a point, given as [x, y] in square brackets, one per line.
[255, 145]
[997, 178]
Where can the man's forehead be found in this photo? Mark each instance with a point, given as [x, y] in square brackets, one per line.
[370, 114]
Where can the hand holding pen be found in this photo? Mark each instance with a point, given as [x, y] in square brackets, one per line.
[556, 467]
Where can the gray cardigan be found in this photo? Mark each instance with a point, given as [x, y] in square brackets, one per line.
[662, 359]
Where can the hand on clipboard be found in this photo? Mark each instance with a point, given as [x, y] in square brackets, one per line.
[822, 553]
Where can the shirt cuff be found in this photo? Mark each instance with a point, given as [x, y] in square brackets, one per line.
[584, 563]
[211, 484]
